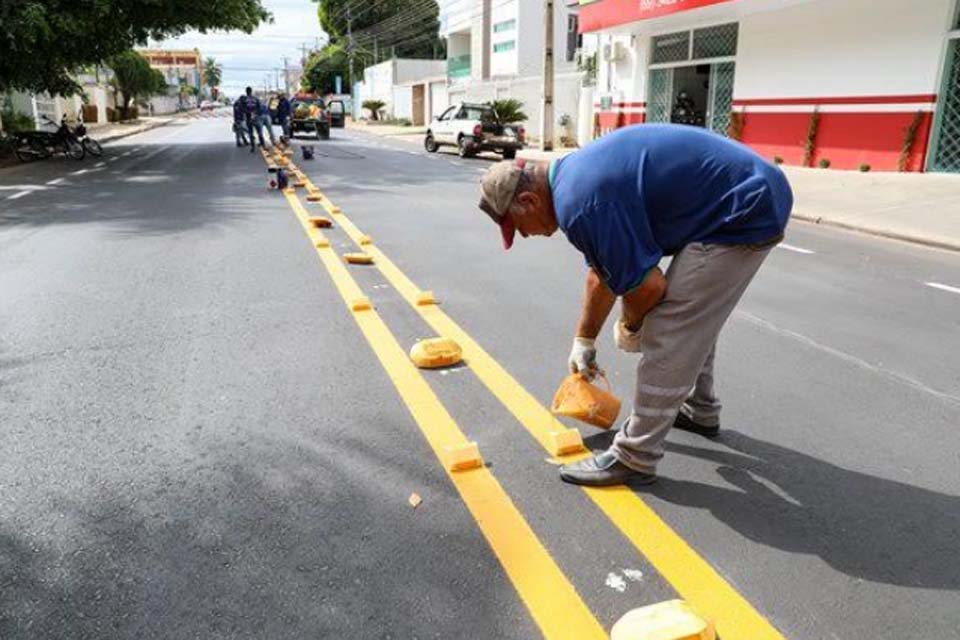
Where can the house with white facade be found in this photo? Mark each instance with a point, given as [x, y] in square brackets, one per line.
[853, 84]
[405, 85]
[495, 50]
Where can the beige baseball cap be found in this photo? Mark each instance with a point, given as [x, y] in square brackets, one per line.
[497, 189]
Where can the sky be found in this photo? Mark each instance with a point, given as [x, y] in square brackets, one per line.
[247, 59]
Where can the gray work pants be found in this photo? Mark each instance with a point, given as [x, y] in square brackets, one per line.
[678, 343]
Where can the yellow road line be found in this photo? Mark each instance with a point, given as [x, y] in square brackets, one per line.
[688, 572]
[552, 600]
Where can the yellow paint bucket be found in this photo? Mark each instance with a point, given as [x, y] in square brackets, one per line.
[577, 398]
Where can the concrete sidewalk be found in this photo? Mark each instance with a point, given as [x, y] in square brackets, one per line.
[916, 207]
[387, 130]
[116, 130]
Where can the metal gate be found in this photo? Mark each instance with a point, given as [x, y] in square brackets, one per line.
[721, 97]
[661, 92]
[946, 146]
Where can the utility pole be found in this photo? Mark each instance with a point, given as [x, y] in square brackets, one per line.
[546, 130]
[350, 49]
[286, 75]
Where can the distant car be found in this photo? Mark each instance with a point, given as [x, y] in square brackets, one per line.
[473, 128]
[208, 105]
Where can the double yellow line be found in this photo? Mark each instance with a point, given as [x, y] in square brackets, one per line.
[691, 576]
[552, 600]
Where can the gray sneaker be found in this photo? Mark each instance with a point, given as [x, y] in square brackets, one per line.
[603, 470]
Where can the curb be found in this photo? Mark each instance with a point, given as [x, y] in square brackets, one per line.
[948, 245]
[123, 134]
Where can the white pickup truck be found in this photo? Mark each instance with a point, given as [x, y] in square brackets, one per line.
[473, 128]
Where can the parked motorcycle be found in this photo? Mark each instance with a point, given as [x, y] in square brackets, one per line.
[38, 145]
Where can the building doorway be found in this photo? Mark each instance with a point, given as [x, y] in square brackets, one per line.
[419, 105]
[691, 77]
[945, 151]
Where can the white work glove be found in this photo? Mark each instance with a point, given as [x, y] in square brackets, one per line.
[626, 340]
[583, 358]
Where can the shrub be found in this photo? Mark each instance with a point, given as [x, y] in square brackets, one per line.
[810, 145]
[824, 163]
[374, 107]
[14, 121]
[735, 131]
[864, 168]
[510, 110]
[910, 137]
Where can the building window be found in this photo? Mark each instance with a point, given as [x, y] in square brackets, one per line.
[672, 47]
[574, 39]
[707, 43]
[715, 42]
[501, 47]
[506, 25]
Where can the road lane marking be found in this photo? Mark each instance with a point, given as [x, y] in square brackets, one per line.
[694, 579]
[843, 355]
[18, 195]
[551, 599]
[943, 287]
[790, 247]
[55, 181]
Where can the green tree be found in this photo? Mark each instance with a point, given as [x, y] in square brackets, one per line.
[43, 41]
[135, 78]
[381, 28]
[212, 73]
[323, 67]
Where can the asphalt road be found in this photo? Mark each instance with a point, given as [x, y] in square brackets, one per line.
[199, 442]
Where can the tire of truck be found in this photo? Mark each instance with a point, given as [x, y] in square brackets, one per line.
[323, 131]
[509, 154]
[463, 147]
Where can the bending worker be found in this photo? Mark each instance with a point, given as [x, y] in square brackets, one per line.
[626, 201]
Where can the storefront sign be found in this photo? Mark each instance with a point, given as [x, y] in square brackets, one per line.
[601, 14]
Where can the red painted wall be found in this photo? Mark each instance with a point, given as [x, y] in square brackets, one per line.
[847, 139]
[610, 13]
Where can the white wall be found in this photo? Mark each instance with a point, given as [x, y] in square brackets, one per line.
[439, 98]
[402, 102]
[378, 83]
[848, 48]
[412, 69]
[624, 79]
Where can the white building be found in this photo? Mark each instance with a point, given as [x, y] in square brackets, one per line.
[495, 50]
[852, 82]
[405, 85]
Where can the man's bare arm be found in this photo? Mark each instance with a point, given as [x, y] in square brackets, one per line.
[637, 303]
[598, 301]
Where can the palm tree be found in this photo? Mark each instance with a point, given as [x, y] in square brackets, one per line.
[212, 74]
[510, 110]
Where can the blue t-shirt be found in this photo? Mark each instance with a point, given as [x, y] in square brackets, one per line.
[646, 191]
